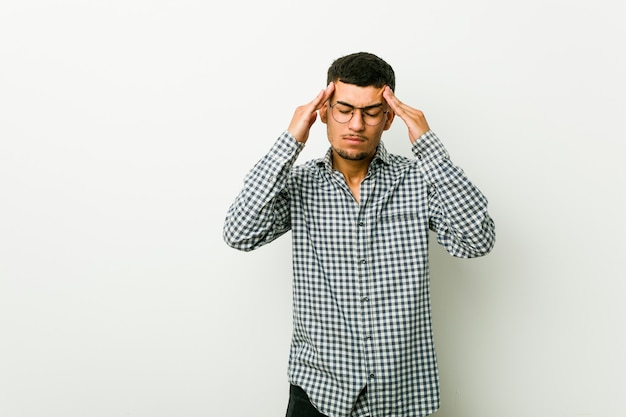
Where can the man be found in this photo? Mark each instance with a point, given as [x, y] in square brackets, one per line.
[360, 217]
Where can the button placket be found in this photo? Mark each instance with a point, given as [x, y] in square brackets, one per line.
[363, 231]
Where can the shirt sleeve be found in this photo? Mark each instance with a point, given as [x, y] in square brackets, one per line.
[261, 212]
[457, 209]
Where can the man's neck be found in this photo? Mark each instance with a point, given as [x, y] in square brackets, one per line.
[353, 172]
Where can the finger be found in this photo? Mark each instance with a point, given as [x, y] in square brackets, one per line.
[313, 105]
[323, 96]
[330, 89]
[391, 99]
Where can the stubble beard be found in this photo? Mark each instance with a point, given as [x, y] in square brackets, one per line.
[351, 156]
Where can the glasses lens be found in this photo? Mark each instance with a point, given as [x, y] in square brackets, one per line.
[342, 113]
[371, 117]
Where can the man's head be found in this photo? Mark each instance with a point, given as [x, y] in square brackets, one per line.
[362, 69]
[357, 113]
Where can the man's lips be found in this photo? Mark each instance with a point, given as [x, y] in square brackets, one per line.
[354, 139]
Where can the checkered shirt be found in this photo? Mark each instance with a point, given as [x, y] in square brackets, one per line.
[361, 292]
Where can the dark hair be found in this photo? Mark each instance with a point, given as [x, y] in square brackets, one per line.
[362, 69]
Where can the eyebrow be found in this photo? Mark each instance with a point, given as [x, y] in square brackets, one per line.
[371, 106]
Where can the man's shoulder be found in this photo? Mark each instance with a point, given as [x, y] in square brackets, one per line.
[310, 168]
[397, 162]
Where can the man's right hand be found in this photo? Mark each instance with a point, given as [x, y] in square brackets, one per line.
[305, 115]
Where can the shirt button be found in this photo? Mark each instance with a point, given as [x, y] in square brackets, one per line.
[362, 261]
[365, 299]
[371, 376]
[361, 224]
[419, 156]
[368, 337]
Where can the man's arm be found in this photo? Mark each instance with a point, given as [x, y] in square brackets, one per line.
[261, 212]
[457, 208]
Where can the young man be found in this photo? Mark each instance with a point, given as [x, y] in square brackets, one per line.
[360, 217]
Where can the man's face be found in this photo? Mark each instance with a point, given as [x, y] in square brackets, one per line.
[356, 139]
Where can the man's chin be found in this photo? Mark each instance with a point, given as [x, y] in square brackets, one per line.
[351, 156]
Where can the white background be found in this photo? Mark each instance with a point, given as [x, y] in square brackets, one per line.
[126, 128]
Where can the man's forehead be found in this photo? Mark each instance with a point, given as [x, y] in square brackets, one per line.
[357, 96]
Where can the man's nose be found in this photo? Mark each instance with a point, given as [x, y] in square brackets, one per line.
[356, 122]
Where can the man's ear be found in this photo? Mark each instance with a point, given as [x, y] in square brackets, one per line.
[389, 119]
[324, 113]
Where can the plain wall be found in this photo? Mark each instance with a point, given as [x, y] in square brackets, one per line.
[126, 128]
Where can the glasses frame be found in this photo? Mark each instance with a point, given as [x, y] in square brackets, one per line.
[363, 109]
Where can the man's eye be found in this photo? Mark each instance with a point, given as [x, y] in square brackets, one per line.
[344, 109]
[373, 113]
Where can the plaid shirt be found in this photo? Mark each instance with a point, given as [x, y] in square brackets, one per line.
[361, 296]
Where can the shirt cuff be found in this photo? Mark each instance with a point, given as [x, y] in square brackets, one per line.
[429, 150]
[286, 145]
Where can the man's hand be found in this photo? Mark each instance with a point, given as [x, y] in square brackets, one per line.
[305, 115]
[413, 118]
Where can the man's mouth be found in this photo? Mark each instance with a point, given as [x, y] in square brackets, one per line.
[354, 139]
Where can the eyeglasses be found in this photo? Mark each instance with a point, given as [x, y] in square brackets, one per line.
[371, 115]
